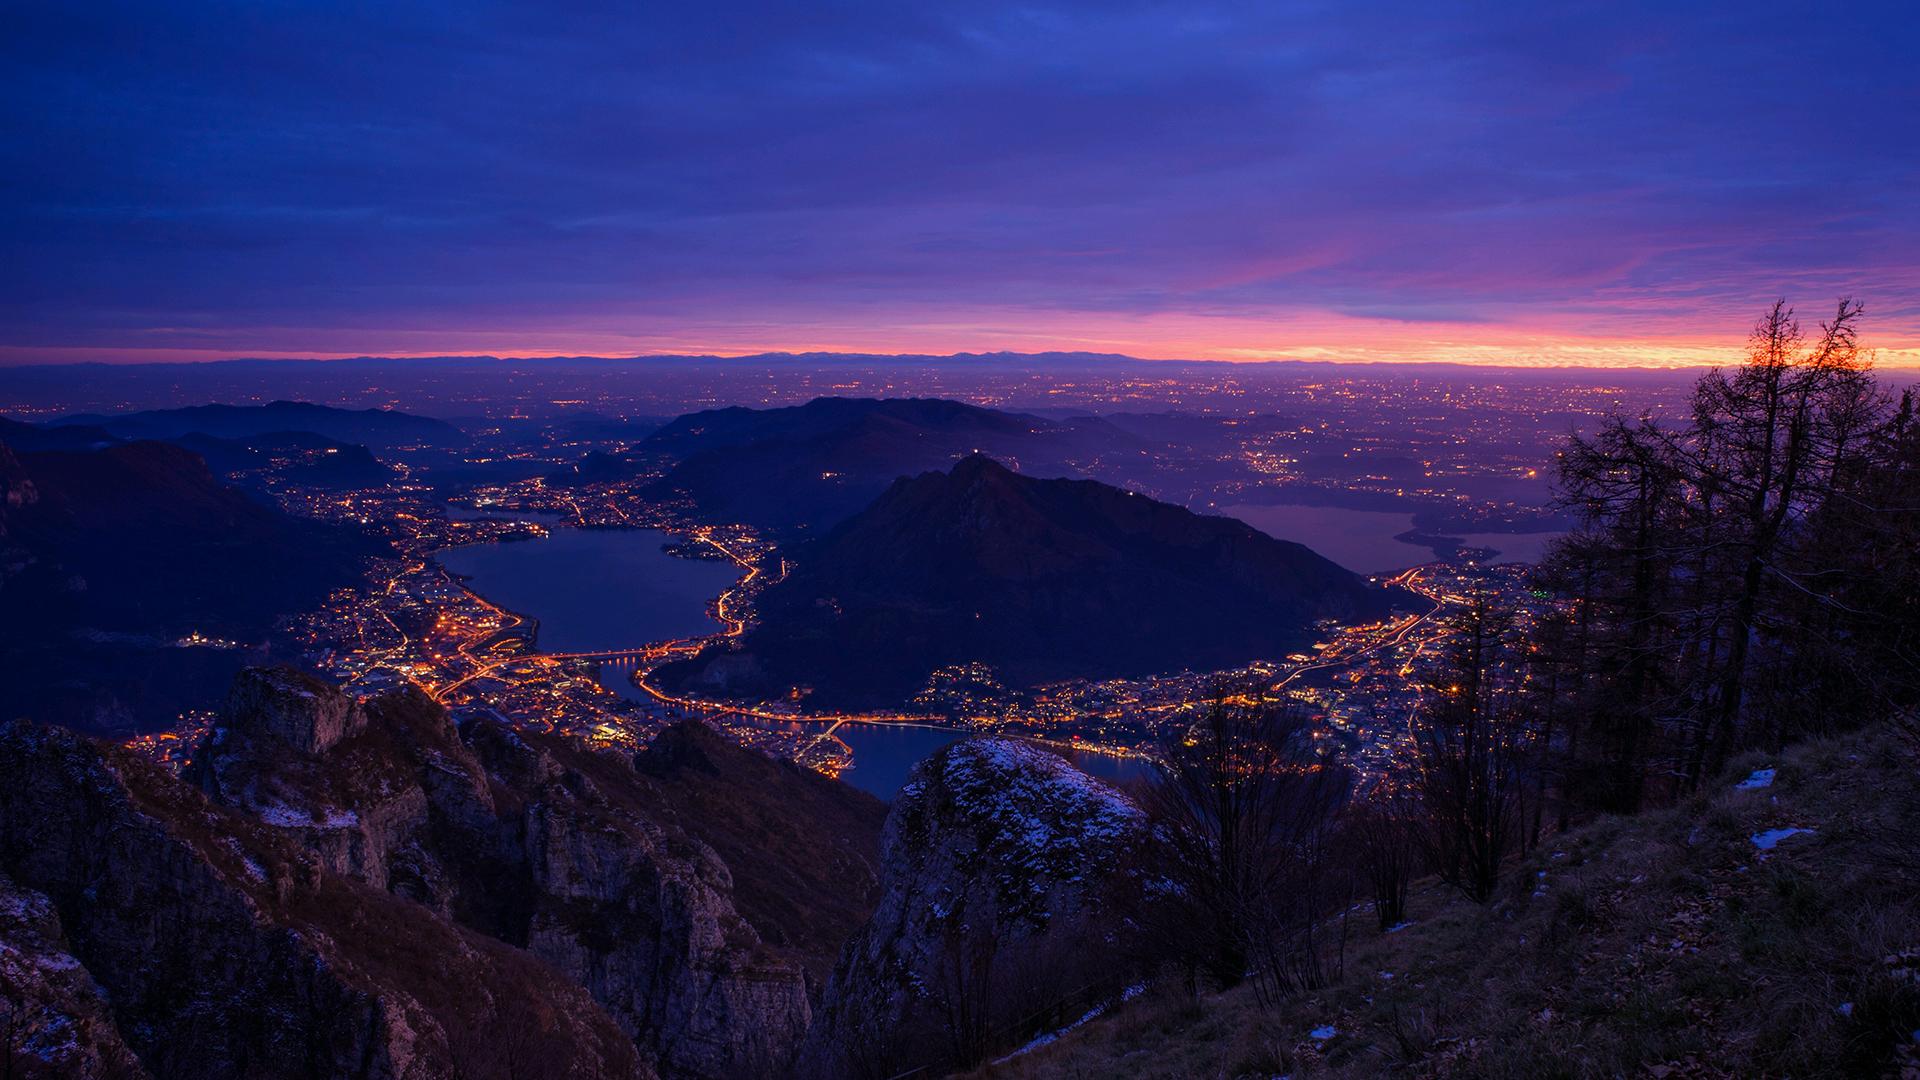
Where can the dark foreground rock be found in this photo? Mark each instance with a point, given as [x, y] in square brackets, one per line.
[226, 950]
[1002, 875]
[360, 889]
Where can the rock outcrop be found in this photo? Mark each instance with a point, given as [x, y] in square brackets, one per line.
[53, 1017]
[698, 892]
[296, 710]
[223, 949]
[1000, 873]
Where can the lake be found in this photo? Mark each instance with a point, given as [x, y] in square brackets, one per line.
[596, 590]
[603, 590]
[1363, 540]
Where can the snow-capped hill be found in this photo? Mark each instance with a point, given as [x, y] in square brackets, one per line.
[999, 874]
[1009, 813]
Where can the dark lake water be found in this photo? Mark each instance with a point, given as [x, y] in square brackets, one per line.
[596, 590]
[883, 754]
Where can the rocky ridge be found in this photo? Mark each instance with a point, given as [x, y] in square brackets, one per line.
[55, 1019]
[224, 950]
[1000, 864]
[570, 881]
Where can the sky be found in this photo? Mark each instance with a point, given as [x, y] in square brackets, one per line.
[1608, 183]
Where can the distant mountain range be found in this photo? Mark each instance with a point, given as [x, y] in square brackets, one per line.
[809, 466]
[1042, 579]
[369, 427]
[26, 438]
[299, 456]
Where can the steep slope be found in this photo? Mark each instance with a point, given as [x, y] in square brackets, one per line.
[17, 492]
[809, 466]
[1043, 579]
[115, 553]
[698, 892]
[296, 456]
[223, 950]
[1704, 940]
[54, 1019]
[141, 538]
[1000, 861]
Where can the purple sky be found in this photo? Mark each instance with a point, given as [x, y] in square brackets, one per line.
[1609, 183]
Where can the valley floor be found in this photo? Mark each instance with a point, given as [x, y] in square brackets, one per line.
[1673, 944]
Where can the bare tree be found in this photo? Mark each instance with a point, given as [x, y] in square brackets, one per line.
[1243, 804]
[1772, 435]
[1739, 578]
[1383, 833]
[1471, 744]
[969, 955]
[1627, 485]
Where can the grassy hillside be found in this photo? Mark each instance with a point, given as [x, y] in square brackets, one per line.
[1664, 945]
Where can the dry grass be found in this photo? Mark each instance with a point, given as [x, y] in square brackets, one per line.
[1664, 945]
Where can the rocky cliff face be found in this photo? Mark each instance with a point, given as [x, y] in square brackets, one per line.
[297, 711]
[53, 1016]
[222, 949]
[1001, 867]
[370, 789]
[602, 866]
[641, 913]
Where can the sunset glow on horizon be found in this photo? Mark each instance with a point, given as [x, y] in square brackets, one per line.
[1591, 187]
[1165, 338]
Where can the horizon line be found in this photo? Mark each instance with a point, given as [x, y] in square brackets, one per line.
[845, 356]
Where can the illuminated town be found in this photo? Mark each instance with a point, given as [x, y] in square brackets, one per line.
[415, 623]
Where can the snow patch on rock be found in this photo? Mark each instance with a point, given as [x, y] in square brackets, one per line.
[1767, 841]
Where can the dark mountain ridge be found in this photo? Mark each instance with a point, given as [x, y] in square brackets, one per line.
[714, 429]
[369, 427]
[300, 457]
[1042, 579]
[28, 438]
[810, 466]
[111, 554]
[142, 538]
